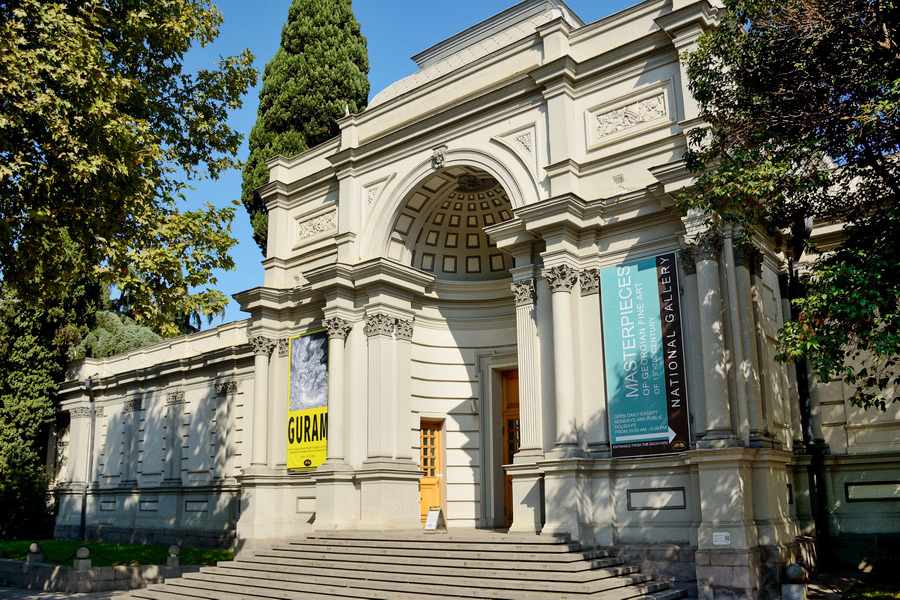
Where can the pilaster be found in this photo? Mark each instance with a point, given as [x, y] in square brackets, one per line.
[262, 349]
[174, 438]
[706, 248]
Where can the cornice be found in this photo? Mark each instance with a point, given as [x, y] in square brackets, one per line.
[567, 210]
[700, 14]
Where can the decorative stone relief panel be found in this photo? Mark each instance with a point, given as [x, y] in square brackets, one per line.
[629, 115]
[310, 227]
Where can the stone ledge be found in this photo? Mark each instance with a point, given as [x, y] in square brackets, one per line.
[56, 578]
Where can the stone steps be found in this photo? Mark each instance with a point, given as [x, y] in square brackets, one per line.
[407, 566]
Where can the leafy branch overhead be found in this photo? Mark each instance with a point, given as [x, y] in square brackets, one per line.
[99, 128]
[318, 72]
[803, 102]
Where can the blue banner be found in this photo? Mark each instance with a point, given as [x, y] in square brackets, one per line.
[642, 343]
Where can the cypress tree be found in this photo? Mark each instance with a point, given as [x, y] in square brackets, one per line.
[319, 70]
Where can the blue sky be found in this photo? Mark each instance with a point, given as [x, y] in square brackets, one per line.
[395, 30]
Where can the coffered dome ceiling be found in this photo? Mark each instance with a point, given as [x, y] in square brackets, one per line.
[442, 225]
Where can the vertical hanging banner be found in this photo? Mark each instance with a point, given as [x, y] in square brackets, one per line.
[644, 354]
[307, 435]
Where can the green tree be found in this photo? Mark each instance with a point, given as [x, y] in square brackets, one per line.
[318, 72]
[100, 128]
[803, 102]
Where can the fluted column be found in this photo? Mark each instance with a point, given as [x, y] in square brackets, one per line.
[403, 439]
[338, 329]
[562, 278]
[526, 334]
[262, 348]
[594, 414]
[719, 432]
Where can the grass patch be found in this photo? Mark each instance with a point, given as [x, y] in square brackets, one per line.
[874, 589]
[104, 554]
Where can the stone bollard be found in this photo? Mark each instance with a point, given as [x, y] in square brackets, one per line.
[35, 554]
[82, 560]
[796, 578]
[174, 551]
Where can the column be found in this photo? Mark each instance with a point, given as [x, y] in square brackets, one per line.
[760, 435]
[174, 405]
[526, 336]
[337, 501]
[736, 343]
[527, 479]
[388, 481]
[338, 329]
[719, 432]
[562, 278]
[262, 348]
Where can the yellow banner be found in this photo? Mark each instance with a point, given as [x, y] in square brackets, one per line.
[307, 434]
[307, 438]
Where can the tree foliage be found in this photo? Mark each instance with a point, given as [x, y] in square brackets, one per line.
[318, 72]
[99, 128]
[803, 102]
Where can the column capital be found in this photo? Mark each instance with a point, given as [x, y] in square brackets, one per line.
[748, 255]
[379, 324]
[688, 264]
[79, 412]
[262, 345]
[404, 329]
[338, 327]
[224, 388]
[524, 291]
[590, 281]
[706, 246]
[561, 278]
[175, 397]
[284, 346]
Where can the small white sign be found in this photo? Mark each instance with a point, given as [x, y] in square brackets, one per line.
[434, 521]
[721, 538]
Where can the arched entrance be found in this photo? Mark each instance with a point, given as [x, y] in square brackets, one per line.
[470, 316]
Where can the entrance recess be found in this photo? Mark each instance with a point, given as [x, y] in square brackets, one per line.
[511, 439]
[430, 464]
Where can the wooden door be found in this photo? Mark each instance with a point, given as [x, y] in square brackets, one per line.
[430, 464]
[511, 439]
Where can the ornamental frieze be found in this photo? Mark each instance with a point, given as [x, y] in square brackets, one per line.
[316, 225]
[632, 115]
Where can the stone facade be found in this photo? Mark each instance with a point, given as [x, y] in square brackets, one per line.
[453, 232]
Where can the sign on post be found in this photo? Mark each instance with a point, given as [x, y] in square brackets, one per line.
[644, 356]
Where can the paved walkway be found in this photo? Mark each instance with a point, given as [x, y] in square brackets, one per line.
[8, 593]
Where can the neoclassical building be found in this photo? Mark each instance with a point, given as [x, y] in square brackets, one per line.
[481, 297]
